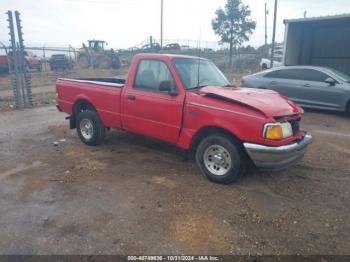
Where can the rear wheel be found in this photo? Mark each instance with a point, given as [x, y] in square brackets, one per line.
[116, 63]
[26, 66]
[39, 67]
[90, 128]
[348, 108]
[220, 158]
[84, 62]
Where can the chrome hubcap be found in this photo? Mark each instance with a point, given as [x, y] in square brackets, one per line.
[217, 160]
[86, 129]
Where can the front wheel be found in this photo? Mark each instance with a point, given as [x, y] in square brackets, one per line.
[90, 128]
[220, 158]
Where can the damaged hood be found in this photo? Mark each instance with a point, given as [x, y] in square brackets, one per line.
[267, 102]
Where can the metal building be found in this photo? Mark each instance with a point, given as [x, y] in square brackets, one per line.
[322, 41]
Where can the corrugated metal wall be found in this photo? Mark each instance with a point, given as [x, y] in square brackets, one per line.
[331, 46]
[322, 43]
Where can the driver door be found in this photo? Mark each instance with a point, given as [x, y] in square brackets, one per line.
[148, 110]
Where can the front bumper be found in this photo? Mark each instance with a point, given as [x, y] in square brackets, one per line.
[278, 158]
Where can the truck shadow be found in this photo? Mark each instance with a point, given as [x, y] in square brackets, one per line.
[134, 145]
[131, 142]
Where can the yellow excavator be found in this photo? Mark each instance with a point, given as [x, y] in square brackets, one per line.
[95, 56]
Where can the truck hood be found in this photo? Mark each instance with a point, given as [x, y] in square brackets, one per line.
[266, 102]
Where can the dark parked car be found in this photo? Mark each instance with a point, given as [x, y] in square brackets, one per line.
[151, 48]
[174, 46]
[308, 86]
[60, 61]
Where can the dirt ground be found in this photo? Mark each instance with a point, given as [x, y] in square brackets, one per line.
[134, 195]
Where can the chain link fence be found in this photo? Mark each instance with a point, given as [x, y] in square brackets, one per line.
[244, 61]
[44, 78]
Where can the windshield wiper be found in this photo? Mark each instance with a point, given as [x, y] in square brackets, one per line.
[197, 87]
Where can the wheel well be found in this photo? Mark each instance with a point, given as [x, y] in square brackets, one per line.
[209, 130]
[82, 105]
[79, 106]
[347, 109]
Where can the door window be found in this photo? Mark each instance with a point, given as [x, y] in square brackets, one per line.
[273, 74]
[150, 74]
[295, 74]
[314, 75]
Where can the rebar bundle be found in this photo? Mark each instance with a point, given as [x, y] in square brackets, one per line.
[20, 74]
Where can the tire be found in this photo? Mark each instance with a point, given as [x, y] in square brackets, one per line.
[84, 61]
[39, 67]
[348, 109]
[233, 159]
[90, 128]
[105, 62]
[117, 64]
[27, 66]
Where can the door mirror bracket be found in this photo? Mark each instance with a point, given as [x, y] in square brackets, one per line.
[330, 81]
[166, 86]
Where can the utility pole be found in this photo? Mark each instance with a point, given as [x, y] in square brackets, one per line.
[266, 13]
[161, 23]
[273, 34]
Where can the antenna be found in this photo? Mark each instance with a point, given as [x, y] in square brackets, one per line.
[199, 50]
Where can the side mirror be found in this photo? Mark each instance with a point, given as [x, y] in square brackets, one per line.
[166, 86]
[330, 81]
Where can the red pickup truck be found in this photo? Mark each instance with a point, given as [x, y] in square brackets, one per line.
[188, 102]
[31, 61]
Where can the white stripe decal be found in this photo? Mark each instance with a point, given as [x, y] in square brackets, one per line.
[225, 110]
[91, 82]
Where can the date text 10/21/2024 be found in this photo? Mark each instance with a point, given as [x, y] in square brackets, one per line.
[173, 258]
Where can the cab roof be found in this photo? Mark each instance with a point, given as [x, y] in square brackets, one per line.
[170, 56]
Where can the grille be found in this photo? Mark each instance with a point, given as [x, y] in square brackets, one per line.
[295, 126]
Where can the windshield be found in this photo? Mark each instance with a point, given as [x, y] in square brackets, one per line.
[96, 44]
[196, 73]
[342, 75]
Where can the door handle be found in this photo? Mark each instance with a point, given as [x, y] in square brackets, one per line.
[307, 85]
[132, 98]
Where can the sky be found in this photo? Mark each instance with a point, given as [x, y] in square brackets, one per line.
[126, 23]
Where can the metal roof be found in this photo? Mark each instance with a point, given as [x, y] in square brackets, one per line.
[319, 18]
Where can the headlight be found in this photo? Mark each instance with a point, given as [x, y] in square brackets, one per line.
[277, 130]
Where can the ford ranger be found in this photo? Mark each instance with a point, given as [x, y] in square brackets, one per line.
[188, 102]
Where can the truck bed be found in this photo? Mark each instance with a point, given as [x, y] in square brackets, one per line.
[103, 93]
